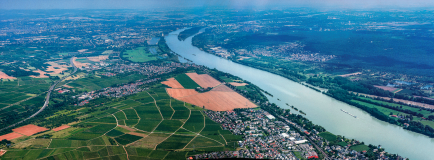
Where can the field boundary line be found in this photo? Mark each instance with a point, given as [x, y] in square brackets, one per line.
[126, 152]
[165, 155]
[203, 147]
[155, 102]
[117, 123]
[223, 138]
[162, 118]
[182, 126]
[204, 122]
[211, 139]
[136, 113]
[189, 142]
[155, 148]
[170, 104]
[107, 131]
[51, 140]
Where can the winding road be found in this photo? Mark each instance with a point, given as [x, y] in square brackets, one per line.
[47, 99]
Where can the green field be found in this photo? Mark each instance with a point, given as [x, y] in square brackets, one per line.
[328, 136]
[186, 81]
[417, 110]
[195, 123]
[168, 126]
[127, 139]
[343, 144]
[165, 109]
[385, 111]
[360, 148]
[114, 133]
[140, 54]
[429, 123]
[175, 142]
[203, 142]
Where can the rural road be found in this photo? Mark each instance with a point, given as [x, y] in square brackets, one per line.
[47, 99]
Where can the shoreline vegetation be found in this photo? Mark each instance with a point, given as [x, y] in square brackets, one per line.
[188, 32]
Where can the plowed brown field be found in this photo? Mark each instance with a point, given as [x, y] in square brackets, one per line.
[29, 130]
[173, 83]
[177, 93]
[61, 128]
[126, 127]
[79, 64]
[60, 68]
[41, 74]
[137, 134]
[219, 101]
[203, 80]
[220, 98]
[223, 88]
[5, 76]
[390, 89]
[10, 136]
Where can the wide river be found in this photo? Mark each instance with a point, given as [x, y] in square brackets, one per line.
[320, 109]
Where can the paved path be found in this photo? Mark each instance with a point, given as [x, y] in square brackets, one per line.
[47, 99]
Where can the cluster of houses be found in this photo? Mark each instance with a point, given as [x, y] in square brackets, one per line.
[125, 90]
[108, 74]
[220, 52]
[117, 92]
[62, 90]
[264, 136]
[147, 68]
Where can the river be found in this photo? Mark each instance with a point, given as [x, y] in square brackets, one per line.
[320, 109]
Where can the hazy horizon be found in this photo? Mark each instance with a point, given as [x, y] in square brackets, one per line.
[236, 4]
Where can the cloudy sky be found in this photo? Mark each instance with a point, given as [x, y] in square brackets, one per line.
[260, 4]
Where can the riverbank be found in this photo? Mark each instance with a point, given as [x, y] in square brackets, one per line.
[320, 109]
[334, 85]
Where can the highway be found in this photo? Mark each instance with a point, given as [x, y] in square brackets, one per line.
[47, 98]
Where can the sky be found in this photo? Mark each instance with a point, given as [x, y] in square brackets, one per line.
[259, 4]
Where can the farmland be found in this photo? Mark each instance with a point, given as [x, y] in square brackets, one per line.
[156, 125]
[203, 80]
[186, 81]
[219, 98]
